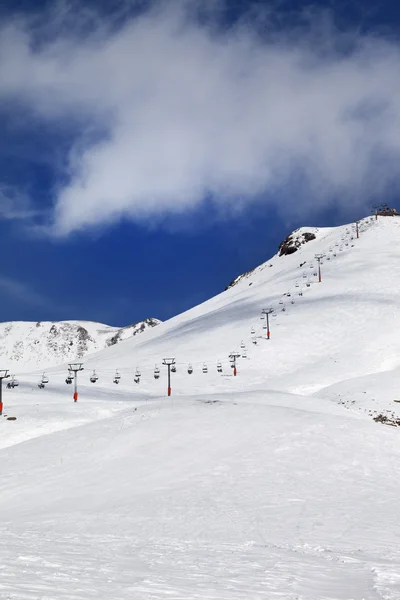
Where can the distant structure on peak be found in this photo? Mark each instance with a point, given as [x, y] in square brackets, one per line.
[383, 210]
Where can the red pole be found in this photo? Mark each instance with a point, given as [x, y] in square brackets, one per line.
[1, 408]
[169, 380]
[234, 371]
[76, 387]
[268, 331]
[319, 272]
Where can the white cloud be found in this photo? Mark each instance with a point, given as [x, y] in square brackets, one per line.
[171, 111]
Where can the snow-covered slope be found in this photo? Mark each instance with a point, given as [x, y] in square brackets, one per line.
[322, 333]
[25, 345]
[272, 484]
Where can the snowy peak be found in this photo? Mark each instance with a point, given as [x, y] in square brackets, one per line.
[291, 244]
[26, 345]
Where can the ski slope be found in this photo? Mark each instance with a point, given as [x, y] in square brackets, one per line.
[276, 483]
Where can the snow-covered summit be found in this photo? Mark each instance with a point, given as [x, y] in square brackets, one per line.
[28, 346]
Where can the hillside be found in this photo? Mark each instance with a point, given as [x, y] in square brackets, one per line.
[276, 483]
[25, 345]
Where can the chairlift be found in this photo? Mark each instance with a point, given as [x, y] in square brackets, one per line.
[304, 275]
[156, 372]
[219, 367]
[283, 309]
[311, 266]
[315, 273]
[280, 301]
[288, 294]
[252, 331]
[173, 368]
[93, 377]
[13, 383]
[297, 285]
[137, 373]
[292, 302]
[68, 378]
[254, 340]
[117, 377]
[190, 369]
[300, 293]
[40, 385]
[308, 284]
[45, 379]
[242, 344]
[205, 369]
[137, 379]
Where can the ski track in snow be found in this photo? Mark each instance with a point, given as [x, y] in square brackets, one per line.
[275, 484]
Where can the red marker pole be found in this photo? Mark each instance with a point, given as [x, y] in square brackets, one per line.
[3, 375]
[75, 367]
[169, 362]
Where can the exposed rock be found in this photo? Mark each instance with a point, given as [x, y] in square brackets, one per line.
[294, 241]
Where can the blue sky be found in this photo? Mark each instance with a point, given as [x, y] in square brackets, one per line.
[147, 163]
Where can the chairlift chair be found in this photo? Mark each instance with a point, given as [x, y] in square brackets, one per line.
[93, 377]
[41, 385]
[173, 368]
[156, 372]
[254, 340]
[117, 377]
[205, 369]
[68, 379]
[219, 367]
[137, 373]
[252, 331]
[190, 369]
[137, 379]
[45, 379]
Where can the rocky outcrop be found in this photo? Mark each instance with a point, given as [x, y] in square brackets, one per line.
[294, 241]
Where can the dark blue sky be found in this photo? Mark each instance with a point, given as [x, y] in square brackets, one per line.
[129, 271]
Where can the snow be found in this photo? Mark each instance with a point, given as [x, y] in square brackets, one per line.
[276, 483]
[27, 345]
